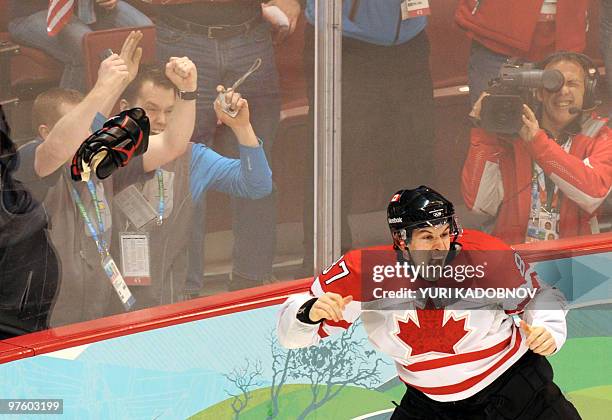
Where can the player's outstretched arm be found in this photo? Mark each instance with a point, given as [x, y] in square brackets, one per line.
[328, 309]
[329, 306]
[303, 315]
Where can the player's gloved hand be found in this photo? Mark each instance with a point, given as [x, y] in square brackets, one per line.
[120, 139]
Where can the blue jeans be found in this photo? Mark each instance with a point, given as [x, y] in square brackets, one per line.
[223, 61]
[605, 14]
[483, 66]
[67, 45]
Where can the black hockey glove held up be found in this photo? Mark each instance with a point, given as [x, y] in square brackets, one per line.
[120, 139]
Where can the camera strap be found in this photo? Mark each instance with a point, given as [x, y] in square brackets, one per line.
[550, 187]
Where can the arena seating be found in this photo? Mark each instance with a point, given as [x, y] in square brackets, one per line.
[30, 67]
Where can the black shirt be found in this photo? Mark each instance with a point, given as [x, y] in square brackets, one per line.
[209, 14]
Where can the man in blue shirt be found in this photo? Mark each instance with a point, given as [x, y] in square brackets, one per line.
[183, 182]
[387, 102]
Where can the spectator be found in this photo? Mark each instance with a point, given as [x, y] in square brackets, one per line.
[29, 276]
[529, 30]
[63, 41]
[44, 167]
[183, 182]
[558, 169]
[387, 102]
[224, 39]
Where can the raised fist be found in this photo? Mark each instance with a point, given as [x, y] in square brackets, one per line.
[183, 73]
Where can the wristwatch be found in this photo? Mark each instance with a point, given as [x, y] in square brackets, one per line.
[188, 96]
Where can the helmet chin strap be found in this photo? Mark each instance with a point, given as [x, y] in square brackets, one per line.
[403, 254]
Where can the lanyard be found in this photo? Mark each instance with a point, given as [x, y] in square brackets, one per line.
[162, 204]
[98, 205]
[553, 196]
[550, 191]
[100, 243]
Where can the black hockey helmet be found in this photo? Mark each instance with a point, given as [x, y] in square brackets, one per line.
[419, 208]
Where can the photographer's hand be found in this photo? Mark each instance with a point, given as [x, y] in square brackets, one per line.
[530, 125]
[475, 112]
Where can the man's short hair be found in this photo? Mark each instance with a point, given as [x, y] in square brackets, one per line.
[46, 108]
[154, 73]
[568, 56]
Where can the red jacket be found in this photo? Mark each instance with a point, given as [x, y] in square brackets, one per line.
[510, 26]
[497, 178]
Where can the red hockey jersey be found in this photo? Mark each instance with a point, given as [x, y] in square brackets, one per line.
[450, 353]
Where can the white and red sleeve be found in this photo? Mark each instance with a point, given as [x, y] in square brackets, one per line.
[587, 181]
[481, 178]
[342, 277]
[547, 308]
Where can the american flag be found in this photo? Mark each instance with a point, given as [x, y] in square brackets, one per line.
[59, 14]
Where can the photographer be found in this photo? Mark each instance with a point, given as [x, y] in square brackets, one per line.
[556, 169]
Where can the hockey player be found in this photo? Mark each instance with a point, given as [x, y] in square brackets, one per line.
[456, 363]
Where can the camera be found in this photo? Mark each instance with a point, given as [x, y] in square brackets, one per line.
[516, 85]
